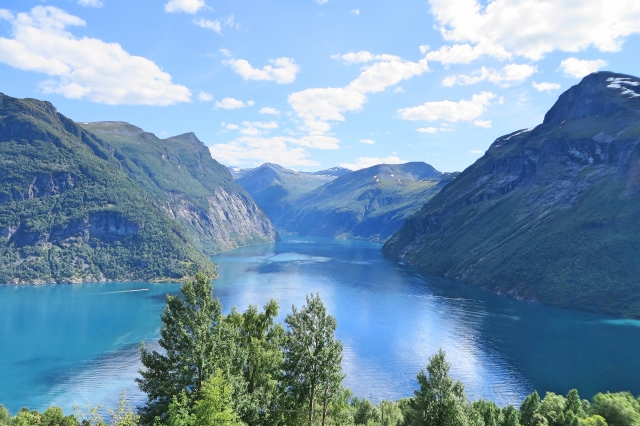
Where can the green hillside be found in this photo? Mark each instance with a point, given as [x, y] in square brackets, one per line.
[193, 188]
[273, 187]
[548, 214]
[69, 212]
[370, 204]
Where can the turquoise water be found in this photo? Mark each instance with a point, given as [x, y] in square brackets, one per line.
[77, 344]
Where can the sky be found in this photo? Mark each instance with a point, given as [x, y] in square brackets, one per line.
[314, 84]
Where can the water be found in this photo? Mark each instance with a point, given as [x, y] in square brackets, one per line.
[78, 344]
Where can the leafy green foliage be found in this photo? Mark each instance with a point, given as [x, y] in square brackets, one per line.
[215, 406]
[69, 212]
[618, 409]
[440, 401]
[313, 361]
[196, 342]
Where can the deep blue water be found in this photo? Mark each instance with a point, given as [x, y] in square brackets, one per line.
[78, 344]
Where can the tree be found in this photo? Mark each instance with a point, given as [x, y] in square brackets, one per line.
[196, 342]
[618, 409]
[573, 404]
[54, 416]
[313, 360]
[123, 415]
[552, 407]
[5, 418]
[489, 411]
[260, 341]
[510, 416]
[440, 401]
[529, 408]
[216, 405]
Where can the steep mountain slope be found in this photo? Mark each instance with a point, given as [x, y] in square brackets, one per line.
[273, 187]
[371, 203]
[194, 189]
[548, 214]
[69, 212]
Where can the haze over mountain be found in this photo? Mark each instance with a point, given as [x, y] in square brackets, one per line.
[273, 187]
[370, 203]
[74, 207]
[548, 214]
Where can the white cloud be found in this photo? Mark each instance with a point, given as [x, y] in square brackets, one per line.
[465, 53]
[483, 123]
[226, 52]
[533, 28]
[85, 68]
[510, 73]
[367, 141]
[283, 72]
[209, 25]
[424, 48]
[252, 150]
[364, 162]
[398, 90]
[251, 103]
[545, 87]
[578, 68]
[205, 97]
[188, 6]
[464, 110]
[355, 11]
[269, 110]
[232, 126]
[231, 103]
[90, 3]
[364, 56]
[317, 106]
[322, 1]
[427, 130]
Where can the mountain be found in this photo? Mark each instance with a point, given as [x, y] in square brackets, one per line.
[192, 188]
[75, 207]
[370, 203]
[334, 171]
[548, 214]
[273, 187]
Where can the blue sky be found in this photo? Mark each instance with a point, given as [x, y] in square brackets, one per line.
[312, 84]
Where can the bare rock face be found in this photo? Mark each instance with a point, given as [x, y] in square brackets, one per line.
[547, 214]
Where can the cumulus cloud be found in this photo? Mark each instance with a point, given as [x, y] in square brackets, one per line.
[483, 123]
[205, 97]
[355, 11]
[578, 68]
[83, 68]
[533, 28]
[510, 73]
[465, 53]
[188, 6]
[427, 130]
[231, 103]
[226, 52]
[318, 106]
[364, 56]
[364, 162]
[269, 110]
[545, 87]
[464, 110]
[367, 141]
[90, 3]
[215, 26]
[255, 150]
[232, 126]
[283, 71]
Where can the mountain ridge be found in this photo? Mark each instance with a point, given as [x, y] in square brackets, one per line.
[546, 214]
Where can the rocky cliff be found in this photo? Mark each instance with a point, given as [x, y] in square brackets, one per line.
[548, 214]
[194, 189]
